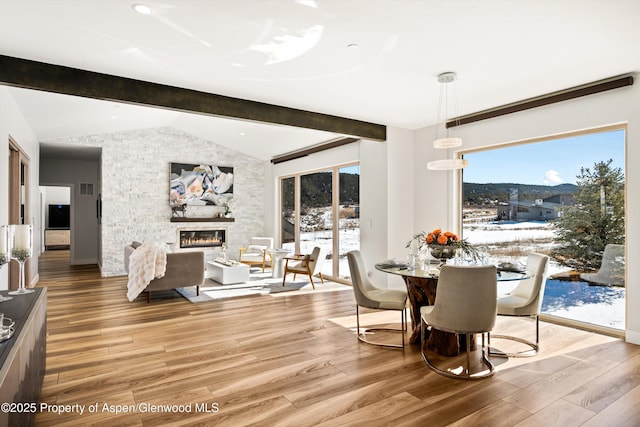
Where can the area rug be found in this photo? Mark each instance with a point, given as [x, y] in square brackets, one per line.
[259, 284]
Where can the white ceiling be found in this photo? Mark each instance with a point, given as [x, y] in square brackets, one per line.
[296, 54]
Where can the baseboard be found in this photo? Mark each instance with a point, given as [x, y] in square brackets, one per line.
[34, 281]
[83, 261]
[632, 337]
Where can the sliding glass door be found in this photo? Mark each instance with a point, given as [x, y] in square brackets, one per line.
[348, 216]
[321, 208]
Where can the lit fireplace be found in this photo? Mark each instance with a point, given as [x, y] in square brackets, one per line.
[201, 238]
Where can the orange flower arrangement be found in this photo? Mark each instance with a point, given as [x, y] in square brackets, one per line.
[438, 237]
[447, 238]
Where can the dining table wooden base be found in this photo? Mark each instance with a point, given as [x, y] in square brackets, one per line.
[422, 291]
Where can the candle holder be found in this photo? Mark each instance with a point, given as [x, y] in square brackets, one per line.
[4, 252]
[21, 248]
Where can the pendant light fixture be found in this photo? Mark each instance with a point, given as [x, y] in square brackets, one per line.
[447, 81]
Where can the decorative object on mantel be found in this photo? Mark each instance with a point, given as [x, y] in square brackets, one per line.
[21, 249]
[177, 209]
[443, 245]
[446, 141]
[227, 208]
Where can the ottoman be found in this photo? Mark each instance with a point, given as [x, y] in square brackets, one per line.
[225, 274]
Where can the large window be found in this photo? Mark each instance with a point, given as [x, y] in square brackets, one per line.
[563, 197]
[321, 208]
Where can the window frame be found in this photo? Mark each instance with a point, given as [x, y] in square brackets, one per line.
[335, 206]
[458, 182]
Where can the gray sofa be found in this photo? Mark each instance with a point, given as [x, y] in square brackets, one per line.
[183, 269]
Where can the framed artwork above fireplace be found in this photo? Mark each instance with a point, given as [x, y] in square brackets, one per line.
[200, 185]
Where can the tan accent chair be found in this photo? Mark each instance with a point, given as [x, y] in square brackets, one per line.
[525, 301]
[258, 252]
[465, 304]
[309, 265]
[368, 295]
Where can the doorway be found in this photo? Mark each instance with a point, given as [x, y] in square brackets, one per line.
[19, 206]
[56, 215]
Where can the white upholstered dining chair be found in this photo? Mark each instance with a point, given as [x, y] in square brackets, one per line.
[612, 268]
[465, 304]
[368, 295]
[525, 301]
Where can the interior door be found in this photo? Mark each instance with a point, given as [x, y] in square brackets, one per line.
[19, 209]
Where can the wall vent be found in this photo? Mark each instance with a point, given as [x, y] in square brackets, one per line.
[86, 189]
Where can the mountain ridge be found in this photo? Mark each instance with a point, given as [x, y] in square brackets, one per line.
[489, 193]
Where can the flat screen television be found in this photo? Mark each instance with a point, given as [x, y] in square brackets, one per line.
[59, 216]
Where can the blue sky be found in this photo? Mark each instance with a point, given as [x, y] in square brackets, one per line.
[351, 169]
[545, 163]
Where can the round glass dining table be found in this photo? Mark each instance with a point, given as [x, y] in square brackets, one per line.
[421, 286]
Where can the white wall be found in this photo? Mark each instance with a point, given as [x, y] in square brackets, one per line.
[400, 204]
[13, 123]
[374, 213]
[618, 106]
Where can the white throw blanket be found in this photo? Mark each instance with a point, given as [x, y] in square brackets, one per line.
[147, 262]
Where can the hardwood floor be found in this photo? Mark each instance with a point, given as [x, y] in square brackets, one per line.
[293, 360]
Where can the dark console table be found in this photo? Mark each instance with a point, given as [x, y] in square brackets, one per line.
[23, 356]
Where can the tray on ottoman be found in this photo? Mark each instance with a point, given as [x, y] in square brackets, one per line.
[227, 274]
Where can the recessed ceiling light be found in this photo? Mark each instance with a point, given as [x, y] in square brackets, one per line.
[142, 8]
[242, 134]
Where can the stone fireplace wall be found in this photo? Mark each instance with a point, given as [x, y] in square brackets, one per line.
[135, 190]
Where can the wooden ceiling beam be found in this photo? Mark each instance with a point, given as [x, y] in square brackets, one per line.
[312, 150]
[547, 99]
[46, 77]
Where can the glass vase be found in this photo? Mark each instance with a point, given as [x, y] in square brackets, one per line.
[442, 252]
[21, 249]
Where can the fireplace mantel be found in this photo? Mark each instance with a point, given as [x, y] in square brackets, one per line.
[183, 219]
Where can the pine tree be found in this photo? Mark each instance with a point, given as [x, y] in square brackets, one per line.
[595, 220]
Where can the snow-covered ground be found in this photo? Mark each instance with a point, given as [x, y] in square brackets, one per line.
[512, 242]
[488, 233]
